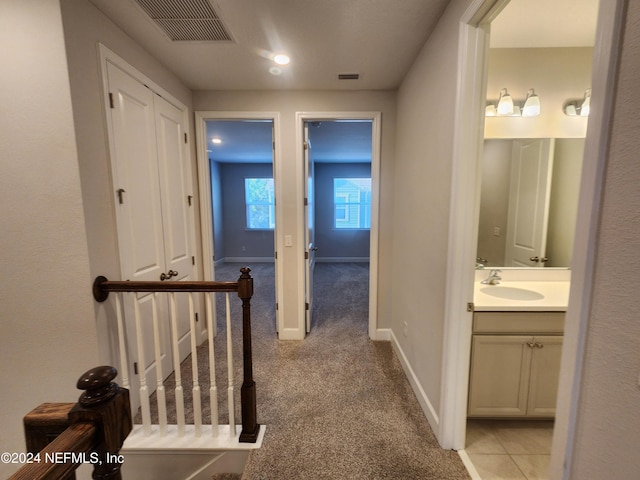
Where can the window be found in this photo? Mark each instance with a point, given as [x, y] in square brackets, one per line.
[352, 203]
[259, 198]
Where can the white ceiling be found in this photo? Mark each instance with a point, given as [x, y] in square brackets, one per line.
[545, 23]
[379, 39]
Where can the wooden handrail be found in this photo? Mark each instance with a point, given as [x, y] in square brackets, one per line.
[244, 286]
[97, 426]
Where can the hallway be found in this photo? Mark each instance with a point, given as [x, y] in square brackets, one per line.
[336, 405]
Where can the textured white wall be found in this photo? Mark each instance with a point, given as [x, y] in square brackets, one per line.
[47, 324]
[608, 417]
[422, 171]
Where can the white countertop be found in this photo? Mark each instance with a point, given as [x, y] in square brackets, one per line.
[539, 295]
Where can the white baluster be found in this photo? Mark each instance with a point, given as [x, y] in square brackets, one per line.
[160, 391]
[176, 365]
[197, 401]
[213, 389]
[230, 393]
[144, 391]
[124, 363]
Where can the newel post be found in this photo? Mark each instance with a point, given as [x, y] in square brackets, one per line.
[106, 405]
[250, 426]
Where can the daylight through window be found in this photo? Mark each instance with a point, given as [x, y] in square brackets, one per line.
[352, 203]
[260, 204]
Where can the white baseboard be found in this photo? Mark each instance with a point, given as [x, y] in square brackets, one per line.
[247, 260]
[342, 259]
[382, 334]
[423, 399]
[291, 334]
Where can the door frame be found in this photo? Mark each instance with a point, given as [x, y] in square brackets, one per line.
[463, 225]
[204, 187]
[376, 122]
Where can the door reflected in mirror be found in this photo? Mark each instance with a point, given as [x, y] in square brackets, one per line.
[529, 201]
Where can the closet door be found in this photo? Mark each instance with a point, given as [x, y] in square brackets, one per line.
[150, 177]
[176, 200]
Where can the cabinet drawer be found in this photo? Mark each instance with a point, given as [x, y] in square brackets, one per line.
[518, 322]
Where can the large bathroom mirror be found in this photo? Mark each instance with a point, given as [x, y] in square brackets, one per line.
[529, 199]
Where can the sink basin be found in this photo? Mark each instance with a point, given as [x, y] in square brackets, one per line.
[511, 293]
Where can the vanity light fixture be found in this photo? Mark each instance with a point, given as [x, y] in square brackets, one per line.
[507, 108]
[581, 108]
[505, 103]
[531, 107]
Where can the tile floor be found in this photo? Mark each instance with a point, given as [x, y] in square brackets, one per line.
[510, 449]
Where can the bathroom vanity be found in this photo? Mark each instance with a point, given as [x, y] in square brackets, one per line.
[516, 347]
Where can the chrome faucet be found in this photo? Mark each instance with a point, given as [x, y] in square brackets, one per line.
[493, 278]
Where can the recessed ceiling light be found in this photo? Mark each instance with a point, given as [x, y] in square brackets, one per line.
[281, 59]
[275, 71]
[216, 140]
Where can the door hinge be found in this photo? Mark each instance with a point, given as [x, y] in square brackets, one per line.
[306, 255]
[306, 201]
[111, 104]
[275, 255]
[306, 306]
[196, 316]
[185, 137]
[120, 192]
[277, 306]
[135, 368]
[306, 145]
[189, 199]
[273, 145]
[193, 260]
[470, 307]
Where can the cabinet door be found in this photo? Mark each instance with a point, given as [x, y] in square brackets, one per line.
[545, 371]
[499, 375]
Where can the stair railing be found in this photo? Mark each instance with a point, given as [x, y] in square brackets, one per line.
[62, 436]
[244, 288]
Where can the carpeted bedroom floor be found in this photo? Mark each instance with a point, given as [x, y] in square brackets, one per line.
[335, 405]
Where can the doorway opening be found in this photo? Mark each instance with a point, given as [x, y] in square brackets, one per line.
[340, 156]
[473, 52]
[237, 183]
[338, 171]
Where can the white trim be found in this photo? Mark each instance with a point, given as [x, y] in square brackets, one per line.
[204, 176]
[376, 125]
[463, 228]
[382, 335]
[473, 473]
[342, 259]
[423, 399]
[605, 66]
[248, 260]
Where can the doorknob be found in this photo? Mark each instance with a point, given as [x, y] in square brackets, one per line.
[538, 259]
[168, 275]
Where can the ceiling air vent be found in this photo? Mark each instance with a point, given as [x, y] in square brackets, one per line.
[187, 20]
[348, 76]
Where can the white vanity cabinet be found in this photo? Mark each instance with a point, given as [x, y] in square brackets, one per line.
[515, 364]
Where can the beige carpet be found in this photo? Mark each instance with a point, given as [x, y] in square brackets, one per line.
[335, 405]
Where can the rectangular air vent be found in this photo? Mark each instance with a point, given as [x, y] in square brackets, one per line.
[348, 76]
[187, 20]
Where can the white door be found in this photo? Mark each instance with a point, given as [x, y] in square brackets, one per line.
[150, 174]
[176, 201]
[531, 167]
[310, 247]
